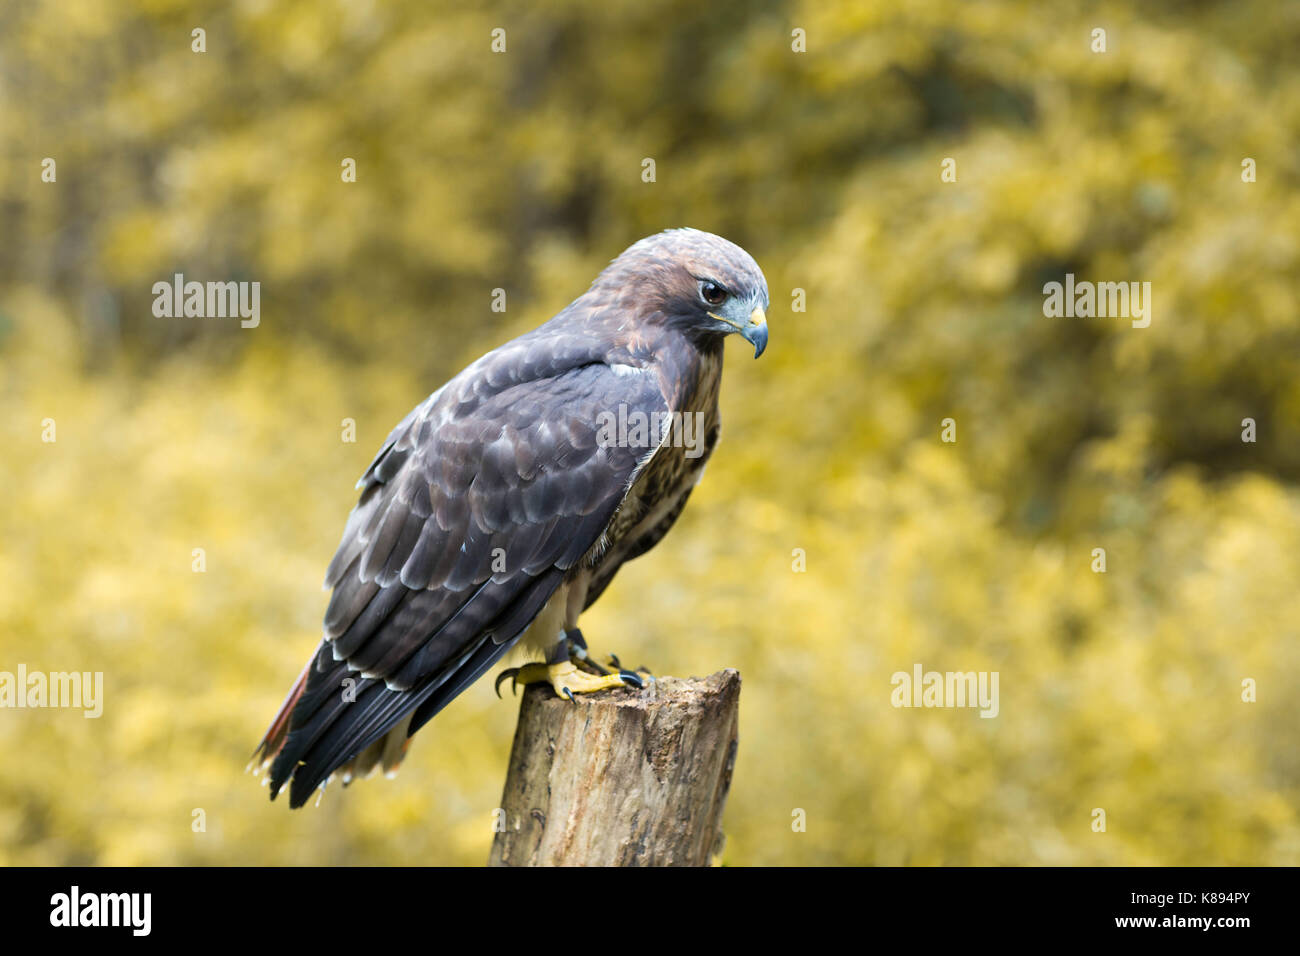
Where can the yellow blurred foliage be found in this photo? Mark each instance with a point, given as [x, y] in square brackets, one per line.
[522, 171]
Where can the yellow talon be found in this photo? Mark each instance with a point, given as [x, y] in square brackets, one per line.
[566, 679]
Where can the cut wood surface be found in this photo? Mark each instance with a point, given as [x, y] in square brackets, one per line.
[621, 778]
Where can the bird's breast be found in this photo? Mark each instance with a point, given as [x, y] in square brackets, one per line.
[673, 467]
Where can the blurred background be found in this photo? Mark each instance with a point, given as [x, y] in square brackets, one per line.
[522, 170]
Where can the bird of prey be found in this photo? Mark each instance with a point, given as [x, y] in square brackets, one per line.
[503, 505]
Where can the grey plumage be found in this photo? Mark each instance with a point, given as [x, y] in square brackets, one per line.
[495, 495]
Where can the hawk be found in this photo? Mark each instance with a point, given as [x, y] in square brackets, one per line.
[503, 505]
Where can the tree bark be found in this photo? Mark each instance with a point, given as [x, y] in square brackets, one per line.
[620, 778]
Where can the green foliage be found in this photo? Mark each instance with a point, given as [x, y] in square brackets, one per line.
[522, 171]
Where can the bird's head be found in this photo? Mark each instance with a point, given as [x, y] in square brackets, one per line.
[699, 283]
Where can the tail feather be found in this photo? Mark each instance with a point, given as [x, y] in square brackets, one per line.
[275, 735]
[387, 753]
[320, 732]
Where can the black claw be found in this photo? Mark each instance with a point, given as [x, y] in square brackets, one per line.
[514, 686]
[628, 677]
[592, 667]
[565, 692]
[614, 662]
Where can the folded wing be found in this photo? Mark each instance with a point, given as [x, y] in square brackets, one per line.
[469, 517]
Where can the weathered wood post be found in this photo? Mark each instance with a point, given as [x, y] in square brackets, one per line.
[621, 778]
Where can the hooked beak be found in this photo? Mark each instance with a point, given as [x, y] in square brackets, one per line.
[755, 331]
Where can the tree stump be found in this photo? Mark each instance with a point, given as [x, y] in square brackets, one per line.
[622, 777]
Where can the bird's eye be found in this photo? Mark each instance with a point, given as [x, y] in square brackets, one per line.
[712, 293]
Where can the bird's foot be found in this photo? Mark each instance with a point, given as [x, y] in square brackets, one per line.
[566, 679]
[642, 670]
[578, 653]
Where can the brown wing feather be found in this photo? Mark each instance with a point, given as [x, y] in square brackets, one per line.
[502, 463]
